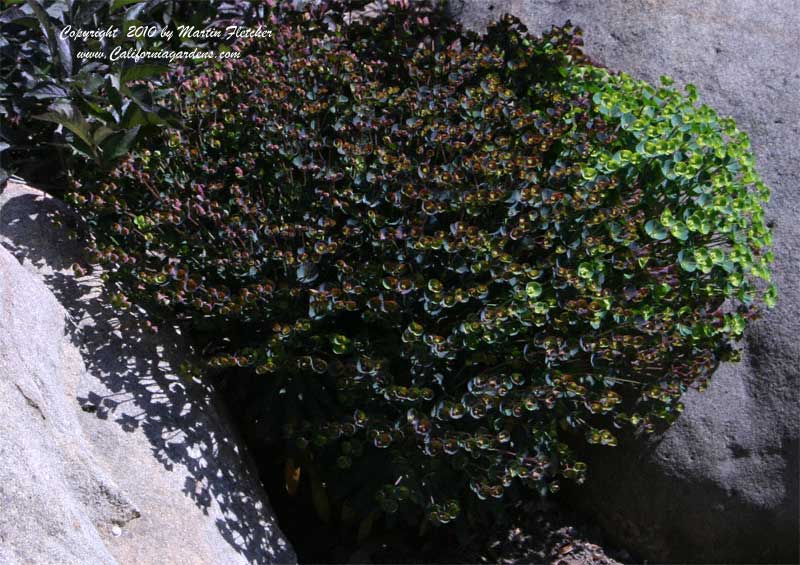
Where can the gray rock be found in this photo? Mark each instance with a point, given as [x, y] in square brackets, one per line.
[41, 455]
[107, 455]
[722, 484]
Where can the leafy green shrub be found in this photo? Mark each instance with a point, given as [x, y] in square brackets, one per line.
[52, 98]
[431, 258]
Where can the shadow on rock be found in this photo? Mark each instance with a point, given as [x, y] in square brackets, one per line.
[134, 378]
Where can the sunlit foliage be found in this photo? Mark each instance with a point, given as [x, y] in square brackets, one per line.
[437, 258]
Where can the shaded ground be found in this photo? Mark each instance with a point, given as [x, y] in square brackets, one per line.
[544, 532]
[540, 531]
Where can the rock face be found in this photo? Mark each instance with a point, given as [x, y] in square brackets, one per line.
[106, 454]
[722, 484]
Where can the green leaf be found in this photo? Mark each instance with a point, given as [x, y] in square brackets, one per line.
[101, 133]
[133, 116]
[687, 262]
[679, 231]
[71, 118]
[533, 289]
[320, 498]
[116, 4]
[340, 344]
[45, 91]
[736, 278]
[667, 218]
[655, 229]
[307, 272]
[703, 259]
[141, 71]
[667, 169]
[365, 528]
[717, 256]
[119, 143]
[139, 94]
[291, 474]
[96, 110]
[693, 222]
[771, 296]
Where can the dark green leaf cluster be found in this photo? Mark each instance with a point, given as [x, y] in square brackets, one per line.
[435, 258]
[55, 97]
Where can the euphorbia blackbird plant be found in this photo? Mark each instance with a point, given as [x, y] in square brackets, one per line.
[433, 256]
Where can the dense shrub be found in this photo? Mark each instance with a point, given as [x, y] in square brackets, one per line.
[435, 258]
